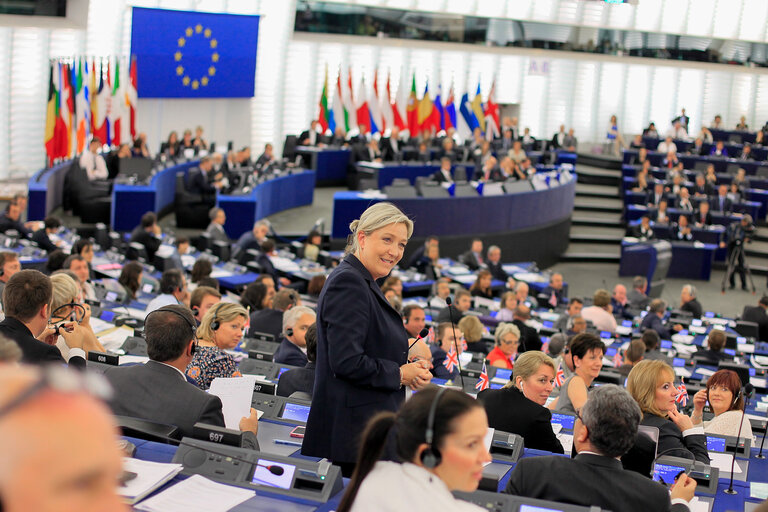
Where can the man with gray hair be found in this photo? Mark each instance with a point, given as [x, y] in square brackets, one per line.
[293, 348]
[688, 301]
[605, 429]
[636, 296]
[270, 320]
[215, 229]
[252, 239]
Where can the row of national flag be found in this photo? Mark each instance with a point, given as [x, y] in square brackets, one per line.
[372, 108]
[89, 98]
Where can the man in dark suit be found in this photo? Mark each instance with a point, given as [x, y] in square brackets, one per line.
[203, 180]
[292, 349]
[147, 234]
[489, 171]
[473, 258]
[703, 217]
[656, 196]
[9, 265]
[529, 337]
[392, 146]
[11, 219]
[643, 231]
[688, 301]
[301, 379]
[159, 390]
[653, 320]
[721, 203]
[493, 262]
[605, 429]
[701, 187]
[443, 175]
[461, 304]
[267, 157]
[369, 152]
[267, 250]
[757, 315]
[42, 236]
[26, 301]
[311, 137]
[554, 291]
[715, 344]
[270, 320]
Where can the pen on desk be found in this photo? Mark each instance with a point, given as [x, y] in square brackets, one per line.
[286, 442]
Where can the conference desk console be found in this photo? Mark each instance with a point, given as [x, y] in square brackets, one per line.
[315, 481]
[281, 409]
[498, 502]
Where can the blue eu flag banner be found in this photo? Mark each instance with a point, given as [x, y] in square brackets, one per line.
[183, 54]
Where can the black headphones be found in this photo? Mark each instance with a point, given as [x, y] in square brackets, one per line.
[186, 320]
[431, 456]
[215, 324]
[289, 331]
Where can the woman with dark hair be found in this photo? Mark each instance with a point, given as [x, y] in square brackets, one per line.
[438, 435]
[55, 261]
[83, 247]
[652, 384]
[202, 268]
[312, 245]
[482, 285]
[257, 296]
[587, 351]
[130, 278]
[171, 146]
[724, 396]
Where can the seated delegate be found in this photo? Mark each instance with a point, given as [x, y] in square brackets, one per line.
[507, 338]
[725, 398]
[221, 329]
[438, 436]
[587, 351]
[651, 384]
[518, 407]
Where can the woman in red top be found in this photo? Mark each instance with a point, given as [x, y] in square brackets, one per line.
[507, 340]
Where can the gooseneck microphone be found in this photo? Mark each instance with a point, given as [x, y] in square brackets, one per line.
[746, 392]
[455, 344]
[422, 334]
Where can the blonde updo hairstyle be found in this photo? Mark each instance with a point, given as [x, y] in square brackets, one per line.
[223, 312]
[376, 217]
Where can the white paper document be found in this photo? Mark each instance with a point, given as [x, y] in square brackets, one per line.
[682, 372]
[236, 394]
[149, 476]
[196, 494]
[114, 339]
[566, 440]
[696, 505]
[722, 461]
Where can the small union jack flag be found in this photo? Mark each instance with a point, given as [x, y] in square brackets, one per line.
[463, 343]
[682, 394]
[617, 359]
[430, 336]
[451, 360]
[483, 382]
[559, 376]
[247, 326]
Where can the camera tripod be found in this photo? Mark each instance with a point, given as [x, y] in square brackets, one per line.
[736, 252]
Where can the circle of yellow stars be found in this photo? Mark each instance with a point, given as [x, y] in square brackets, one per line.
[202, 81]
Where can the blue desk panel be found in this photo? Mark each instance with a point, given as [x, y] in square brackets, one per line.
[130, 202]
[265, 199]
[688, 261]
[46, 189]
[465, 215]
[329, 163]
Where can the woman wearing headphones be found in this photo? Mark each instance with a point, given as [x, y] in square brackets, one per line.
[518, 407]
[67, 312]
[724, 396]
[439, 440]
[221, 329]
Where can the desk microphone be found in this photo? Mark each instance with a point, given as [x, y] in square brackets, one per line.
[275, 470]
[746, 392]
[422, 334]
[760, 453]
[455, 344]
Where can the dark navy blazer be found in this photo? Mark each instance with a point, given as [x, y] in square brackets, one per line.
[361, 344]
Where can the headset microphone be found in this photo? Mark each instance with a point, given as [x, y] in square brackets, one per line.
[748, 390]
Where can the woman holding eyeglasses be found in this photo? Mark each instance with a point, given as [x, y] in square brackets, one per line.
[518, 407]
[507, 340]
[221, 329]
[67, 313]
[724, 396]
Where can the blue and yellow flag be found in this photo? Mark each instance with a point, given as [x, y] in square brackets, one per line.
[183, 54]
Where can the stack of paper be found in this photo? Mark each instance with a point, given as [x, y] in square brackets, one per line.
[149, 476]
[236, 394]
[197, 494]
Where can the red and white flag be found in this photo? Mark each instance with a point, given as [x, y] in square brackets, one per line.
[617, 359]
[430, 336]
[451, 360]
[682, 394]
[483, 382]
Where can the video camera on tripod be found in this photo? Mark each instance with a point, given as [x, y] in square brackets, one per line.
[741, 232]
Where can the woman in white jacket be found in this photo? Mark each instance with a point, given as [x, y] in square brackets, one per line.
[439, 437]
